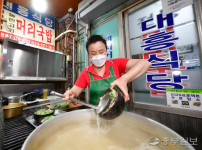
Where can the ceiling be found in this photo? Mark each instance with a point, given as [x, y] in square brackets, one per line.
[57, 8]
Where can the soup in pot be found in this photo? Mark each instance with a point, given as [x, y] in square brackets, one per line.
[81, 131]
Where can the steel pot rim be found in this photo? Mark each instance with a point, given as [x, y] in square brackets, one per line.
[130, 114]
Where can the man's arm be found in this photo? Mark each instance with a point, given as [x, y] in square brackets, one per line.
[75, 91]
[134, 69]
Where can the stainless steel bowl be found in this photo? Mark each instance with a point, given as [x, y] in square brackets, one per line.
[151, 132]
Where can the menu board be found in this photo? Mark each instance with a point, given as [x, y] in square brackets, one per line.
[27, 26]
[184, 98]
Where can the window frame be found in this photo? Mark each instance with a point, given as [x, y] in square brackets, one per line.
[124, 22]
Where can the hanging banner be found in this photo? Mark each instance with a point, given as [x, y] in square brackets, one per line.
[27, 26]
[184, 98]
[173, 5]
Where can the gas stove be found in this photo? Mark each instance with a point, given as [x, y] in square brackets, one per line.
[15, 133]
[19, 128]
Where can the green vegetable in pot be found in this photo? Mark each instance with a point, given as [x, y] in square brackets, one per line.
[61, 105]
[46, 118]
[112, 94]
[43, 111]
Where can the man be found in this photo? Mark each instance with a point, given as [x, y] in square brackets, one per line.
[103, 74]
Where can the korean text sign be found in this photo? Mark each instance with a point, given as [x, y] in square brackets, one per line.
[28, 26]
[184, 98]
[159, 48]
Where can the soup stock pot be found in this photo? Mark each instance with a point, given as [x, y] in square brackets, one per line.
[80, 130]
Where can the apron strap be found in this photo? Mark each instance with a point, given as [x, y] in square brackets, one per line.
[90, 75]
[112, 71]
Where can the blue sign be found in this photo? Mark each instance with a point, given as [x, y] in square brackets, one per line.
[30, 14]
[160, 22]
[109, 46]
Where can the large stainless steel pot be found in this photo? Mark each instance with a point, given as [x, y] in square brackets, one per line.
[136, 129]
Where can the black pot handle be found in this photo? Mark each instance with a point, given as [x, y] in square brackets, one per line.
[4, 101]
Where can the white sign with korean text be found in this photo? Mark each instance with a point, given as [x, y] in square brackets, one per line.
[184, 98]
[173, 5]
[27, 31]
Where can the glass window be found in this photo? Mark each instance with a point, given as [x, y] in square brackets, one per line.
[171, 44]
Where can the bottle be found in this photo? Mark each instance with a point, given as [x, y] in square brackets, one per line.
[45, 93]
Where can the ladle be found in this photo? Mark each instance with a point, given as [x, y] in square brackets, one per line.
[107, 108]
[98, 108]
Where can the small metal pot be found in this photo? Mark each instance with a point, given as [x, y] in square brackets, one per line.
[18, 99]
[14, 99]
[13, 110]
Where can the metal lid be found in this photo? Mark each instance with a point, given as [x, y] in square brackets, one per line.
[13, 97]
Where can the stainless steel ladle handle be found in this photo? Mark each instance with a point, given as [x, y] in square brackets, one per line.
[74, 100]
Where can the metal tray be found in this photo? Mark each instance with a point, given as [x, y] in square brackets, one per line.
[31, 120]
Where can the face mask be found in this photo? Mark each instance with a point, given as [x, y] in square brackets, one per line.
[99, 60]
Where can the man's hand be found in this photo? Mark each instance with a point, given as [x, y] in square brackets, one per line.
[75, 91]
[68, 94]
[122, 84]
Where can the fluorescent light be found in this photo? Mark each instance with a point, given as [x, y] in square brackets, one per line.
[40, 5]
